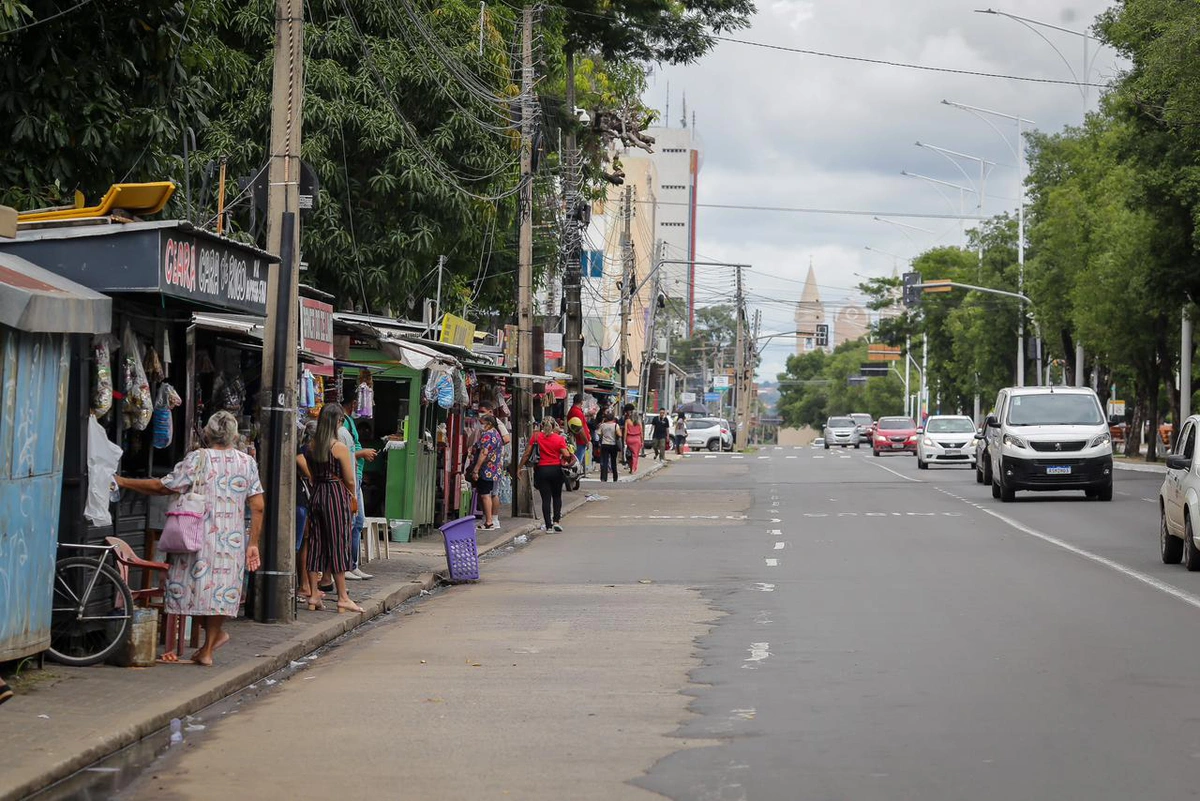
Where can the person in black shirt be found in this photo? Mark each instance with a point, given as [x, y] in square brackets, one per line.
[660, 427]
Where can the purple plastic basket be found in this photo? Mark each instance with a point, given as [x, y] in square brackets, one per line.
[462, 551]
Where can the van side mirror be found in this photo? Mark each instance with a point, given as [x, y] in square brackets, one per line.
[992, 422]
[1179, 462]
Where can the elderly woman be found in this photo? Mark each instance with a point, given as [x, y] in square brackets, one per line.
[208, 584]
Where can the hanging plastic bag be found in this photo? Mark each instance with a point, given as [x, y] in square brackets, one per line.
[139, 404]
[102, 460]
[461, 396]
[445, 391]
[161, 425]
[102, 394]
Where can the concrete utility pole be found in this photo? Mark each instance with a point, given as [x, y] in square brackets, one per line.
[628, 279]
[739, 370]
[1185, 371]
[275, 597]
[522, 504]
[573, 270]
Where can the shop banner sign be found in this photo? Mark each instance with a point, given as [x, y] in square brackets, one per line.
[212, 273]
[316, 327]
[510, 346]
[552, 345]
[457, 331]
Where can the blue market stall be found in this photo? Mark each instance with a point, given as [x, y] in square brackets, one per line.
[38, 312]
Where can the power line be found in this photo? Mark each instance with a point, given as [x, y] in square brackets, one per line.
[50, 18]
[800, 210]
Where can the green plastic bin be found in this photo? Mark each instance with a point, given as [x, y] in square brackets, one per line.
[400, 530]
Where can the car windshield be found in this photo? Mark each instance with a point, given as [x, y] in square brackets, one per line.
[862, 419]
[895, 423]
[840, 422]
[949, 425]
[1054, 409]
[696, 425]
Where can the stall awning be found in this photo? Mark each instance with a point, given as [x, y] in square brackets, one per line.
[412, 354]
[39, 301]
[253, 327]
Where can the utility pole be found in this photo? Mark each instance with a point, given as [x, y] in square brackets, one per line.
[522, 504]
[627, 281]
[274, 600]
[739, 355]
[907, 395]
[573, 269]
[437, 308]
[923, 401]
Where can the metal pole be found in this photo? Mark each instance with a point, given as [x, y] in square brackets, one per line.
[274, 599]
[739, 356]
[627, 279]
[1080, 365]
[1185, 370]
[1020, 253]
[907, 386]
[923, 401]
[437, 309]
[573, 271]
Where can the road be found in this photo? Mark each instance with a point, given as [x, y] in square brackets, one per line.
[790, 624]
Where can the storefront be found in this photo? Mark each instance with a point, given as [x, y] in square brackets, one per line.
[39, 313]
[157, 374]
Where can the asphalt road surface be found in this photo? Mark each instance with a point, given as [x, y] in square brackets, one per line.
[789, 624]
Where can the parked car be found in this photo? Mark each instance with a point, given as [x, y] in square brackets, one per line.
[983, 466]
[818, 442]
[865, 423]
[894, 434]
[947, 439]
[708, 432]
[1179, 501]
[841, 431]
[1049, 438]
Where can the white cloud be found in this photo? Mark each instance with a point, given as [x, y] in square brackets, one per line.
[784, 129]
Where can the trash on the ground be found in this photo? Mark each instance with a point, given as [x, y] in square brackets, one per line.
[520, 539]
[422, 661]
[309, 678]
[295, 664]
[596, 498]
[252, 687]
[270, 682]
[426, 592]
[476, 664]
[311, 657]
[435, 701]
[44, 717]
[176, 733]
[645, 581]
[102, 770]
[196, 727]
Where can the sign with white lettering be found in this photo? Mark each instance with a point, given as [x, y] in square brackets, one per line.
[210, 272]
[316, 327]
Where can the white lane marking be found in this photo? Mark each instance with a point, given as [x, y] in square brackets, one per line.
[779, 546]
[1137, 575]
[762, 586]
[776, 532]
[772, 563]
[818, 457]
[764, 457]
[894, 473]
[776, 520]
[745, 714]
[1148, 500]
[759, 651]
[710, 456]
[738, 456]
[791, 457]
[778, 448]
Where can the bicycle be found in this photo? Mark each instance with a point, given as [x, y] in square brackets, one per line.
[92, 608]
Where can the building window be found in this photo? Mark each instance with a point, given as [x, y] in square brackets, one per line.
[822, 336]
[674, 224]
[808, 343]
[674, 150]
[674, 186]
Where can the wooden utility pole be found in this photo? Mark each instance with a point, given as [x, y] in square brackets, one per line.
[523, 490]
[276, 578]
[628, 277]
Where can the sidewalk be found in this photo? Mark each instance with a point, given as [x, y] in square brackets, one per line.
[1139, 465]
[64, 719]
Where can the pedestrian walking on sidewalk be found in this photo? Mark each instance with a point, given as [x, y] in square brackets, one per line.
[331, 509]
[553, 451]
[660, 429]
[633, 439]
[680, 432]
[208, 583]
[485, 469]
[610, 440]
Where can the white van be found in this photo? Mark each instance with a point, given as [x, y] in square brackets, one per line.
[1049, 438]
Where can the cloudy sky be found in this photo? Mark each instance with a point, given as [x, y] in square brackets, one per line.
[784, 129]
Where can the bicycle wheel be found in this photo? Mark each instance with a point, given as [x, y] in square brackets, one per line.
[90, 612]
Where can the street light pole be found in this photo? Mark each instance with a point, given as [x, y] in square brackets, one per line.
[1019, 154]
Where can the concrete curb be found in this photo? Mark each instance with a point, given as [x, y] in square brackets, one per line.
[233, 679]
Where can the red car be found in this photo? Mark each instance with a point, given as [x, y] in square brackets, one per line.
[892, 434]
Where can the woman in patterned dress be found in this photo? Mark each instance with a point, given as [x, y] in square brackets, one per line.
[330, 509]
[208, 584]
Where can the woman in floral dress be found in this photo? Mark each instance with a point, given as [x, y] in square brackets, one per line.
[208, 584]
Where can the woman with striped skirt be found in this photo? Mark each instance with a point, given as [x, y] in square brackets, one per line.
[330, 509]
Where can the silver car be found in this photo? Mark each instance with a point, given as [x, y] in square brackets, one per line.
[947, 439]
[841, 431]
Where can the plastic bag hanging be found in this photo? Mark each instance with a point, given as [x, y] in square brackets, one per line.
[103, 457]
[139, 404]
[102, 393]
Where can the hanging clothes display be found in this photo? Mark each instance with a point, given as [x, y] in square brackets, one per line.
[102, 394]
[364, 405]
[139, 405]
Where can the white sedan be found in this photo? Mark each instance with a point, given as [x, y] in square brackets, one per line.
[1179, 501]
[947, 439]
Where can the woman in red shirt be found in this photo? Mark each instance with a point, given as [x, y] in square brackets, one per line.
[553, 453]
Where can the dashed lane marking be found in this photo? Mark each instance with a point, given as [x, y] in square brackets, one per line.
[898, 475]
[779, 546]
[763, 586]
[772, 562]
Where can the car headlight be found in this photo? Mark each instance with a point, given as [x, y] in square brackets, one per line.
[1103, 439]
[928, 442]
[1015, 441]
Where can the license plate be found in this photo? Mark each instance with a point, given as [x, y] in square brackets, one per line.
[897, 444]
[1064, 470]
[953, 452]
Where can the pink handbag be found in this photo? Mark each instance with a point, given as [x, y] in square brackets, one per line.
[184, 529]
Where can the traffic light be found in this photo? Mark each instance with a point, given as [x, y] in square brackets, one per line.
[912, 293]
